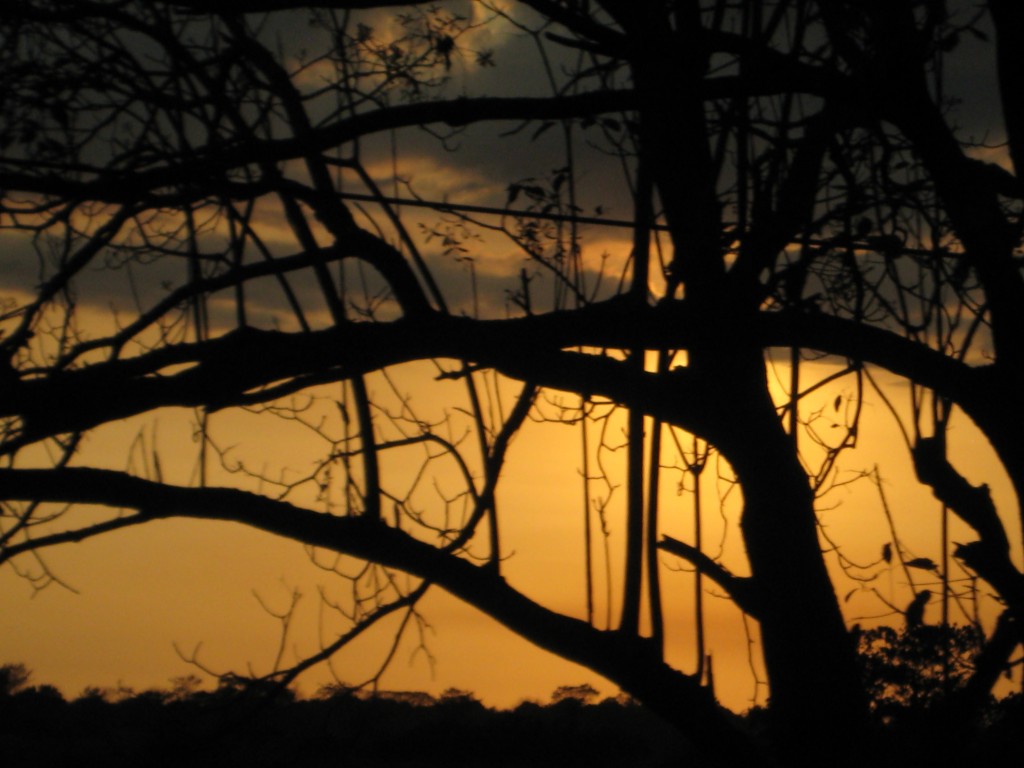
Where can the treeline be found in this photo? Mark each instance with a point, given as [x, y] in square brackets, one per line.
[241, 725]
[916, 677]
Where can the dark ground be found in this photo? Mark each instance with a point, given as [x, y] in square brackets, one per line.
[38, 728]
[238, 725]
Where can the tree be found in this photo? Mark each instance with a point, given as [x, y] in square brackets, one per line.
[13, 678]
[798, 186]
[913, 668]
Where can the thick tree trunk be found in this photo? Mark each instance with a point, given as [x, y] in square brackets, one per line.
[816, 697]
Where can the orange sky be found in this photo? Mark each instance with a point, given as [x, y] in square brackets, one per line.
[193, 582]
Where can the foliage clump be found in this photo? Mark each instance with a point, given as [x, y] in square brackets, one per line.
[916, 668]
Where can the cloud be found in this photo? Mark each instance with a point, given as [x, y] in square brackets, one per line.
[433, 177]
[20, 268]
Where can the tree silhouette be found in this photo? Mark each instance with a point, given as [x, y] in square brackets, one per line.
[798, 187]
[176, 727]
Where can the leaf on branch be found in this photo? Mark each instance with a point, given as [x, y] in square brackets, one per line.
[561, 176]
[923, 563]
[915, 611]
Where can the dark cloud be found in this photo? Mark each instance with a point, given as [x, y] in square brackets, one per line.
[971, 80]
[20, 265]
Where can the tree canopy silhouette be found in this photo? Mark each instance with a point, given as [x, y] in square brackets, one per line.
[203, 214]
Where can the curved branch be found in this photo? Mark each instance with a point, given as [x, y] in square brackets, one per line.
[76, 536]
[946, 375]
[626, 660]
[240, 366]
[285, 677]
[972, 504]
[742, 590]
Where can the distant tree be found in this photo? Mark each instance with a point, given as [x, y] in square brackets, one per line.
[184, 687]
[158, 727]
[584, 694]
[13, 678]
[450, 696]
[796, 188]
[916, 668]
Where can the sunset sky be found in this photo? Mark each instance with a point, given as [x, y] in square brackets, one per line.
[127, 600]
[181, 583]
